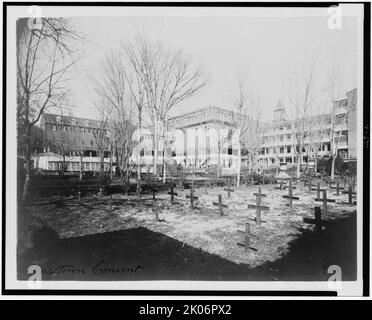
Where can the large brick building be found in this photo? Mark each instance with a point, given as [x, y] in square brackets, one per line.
[73, 137]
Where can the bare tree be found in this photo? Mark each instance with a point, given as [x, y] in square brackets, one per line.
[302, 96]
[221, 142]
[318, 130]
[44, 54]
[246, 120]
[337, 119]
[165, 78]
[116, 103]
[64, 142]
[125, 65]
[101, 137]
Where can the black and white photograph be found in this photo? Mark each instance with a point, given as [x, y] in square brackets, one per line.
[185, 147]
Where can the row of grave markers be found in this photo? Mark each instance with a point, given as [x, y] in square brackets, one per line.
[258, 195]
[258, 206]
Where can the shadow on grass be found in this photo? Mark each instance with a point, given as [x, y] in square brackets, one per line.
[141, 254]
[312, 253]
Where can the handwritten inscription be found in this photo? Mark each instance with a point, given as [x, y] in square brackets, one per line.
[101, 268]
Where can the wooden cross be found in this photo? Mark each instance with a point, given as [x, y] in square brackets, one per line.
[310, 185]
[281, 183]
[353, 182]
[286, 187]
[191, 196]
[330, 182]
[79, 196]
[290, 196]
[110, 202]
[350, 181]
[306, 180]
[318, 190]
[345, 181]
[172, 193]
[211, 183]
[251, 182]
[153, 190]
[350, 194]
[337, 187]
[325, 200]
[258, 206]
[318, 219]
[181, 185]
[318, 216]
[156, 211]
[228, 189]
[220, 204]
[206, 183]
[247, 234]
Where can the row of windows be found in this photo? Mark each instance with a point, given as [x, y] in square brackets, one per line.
[73, 120]
[75, 166]
[284, 149]
[288, 149]
[315, 134]
[61, 127]
[150, 152]
[86, 153]
[273, 139]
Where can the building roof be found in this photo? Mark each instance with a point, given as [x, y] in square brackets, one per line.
[70, 120]
[48, 154]
[279, 106]
[202, 116]
[183, 115]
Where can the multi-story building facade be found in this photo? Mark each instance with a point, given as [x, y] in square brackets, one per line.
[204, 139]
[280, 138]
[196, 140]
[70, 141]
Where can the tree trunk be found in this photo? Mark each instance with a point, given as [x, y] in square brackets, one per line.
[155, 145]
[63, 162]
[219, 154]
[219, 162]
[250, 162]
[101, 169]
[127, 180]
[333, 167]
[298, 166]
[139, 153]
[111, 161]
[333, 146]
[27, 161]
[164, 164]
[239, 166]
[81, 166]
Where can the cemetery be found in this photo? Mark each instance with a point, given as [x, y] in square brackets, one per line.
[250, 225]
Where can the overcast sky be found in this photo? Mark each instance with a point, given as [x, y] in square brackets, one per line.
[267, 49]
